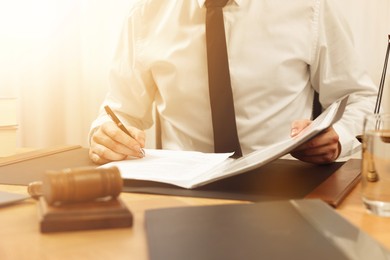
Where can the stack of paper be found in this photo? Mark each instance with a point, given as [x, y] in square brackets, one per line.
[8, 126]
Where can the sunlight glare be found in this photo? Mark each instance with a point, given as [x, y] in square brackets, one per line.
[32, 18]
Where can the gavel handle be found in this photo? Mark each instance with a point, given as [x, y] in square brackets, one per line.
[35, 189]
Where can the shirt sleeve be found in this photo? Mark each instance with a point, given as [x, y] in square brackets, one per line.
[131, 86]
[336, 72]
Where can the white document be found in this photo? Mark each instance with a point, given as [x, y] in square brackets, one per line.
[190, 169]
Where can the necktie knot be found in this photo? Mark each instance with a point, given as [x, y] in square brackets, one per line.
[216, 3]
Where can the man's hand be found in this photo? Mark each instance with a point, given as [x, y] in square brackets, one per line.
[322, 149]
[109, 143]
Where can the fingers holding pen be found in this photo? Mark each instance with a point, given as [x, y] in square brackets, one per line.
[110, 143]
[100, 154]
[121, 142]
[138, 135]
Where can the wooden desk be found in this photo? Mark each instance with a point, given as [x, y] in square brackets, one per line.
[21, 239]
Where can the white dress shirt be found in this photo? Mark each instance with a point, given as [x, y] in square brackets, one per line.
[279, 51]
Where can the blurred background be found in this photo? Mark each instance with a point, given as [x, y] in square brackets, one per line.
[55, 56]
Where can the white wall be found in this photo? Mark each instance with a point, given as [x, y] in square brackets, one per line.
[370, 24]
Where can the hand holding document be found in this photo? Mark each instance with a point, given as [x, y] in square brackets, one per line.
[189, 169]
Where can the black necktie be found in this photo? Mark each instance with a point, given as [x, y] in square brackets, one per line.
[221, 96]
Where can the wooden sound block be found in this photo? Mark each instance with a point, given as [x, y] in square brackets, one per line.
[101, 214]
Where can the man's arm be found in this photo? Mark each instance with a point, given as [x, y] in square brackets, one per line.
[336, 72]
[131, 95]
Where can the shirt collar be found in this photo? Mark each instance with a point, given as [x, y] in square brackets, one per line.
[202, 2]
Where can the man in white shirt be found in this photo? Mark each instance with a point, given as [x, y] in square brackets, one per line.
[279, 52]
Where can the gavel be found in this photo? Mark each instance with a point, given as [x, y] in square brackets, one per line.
[74, 185]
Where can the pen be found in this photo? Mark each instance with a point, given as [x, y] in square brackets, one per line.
[120, 125]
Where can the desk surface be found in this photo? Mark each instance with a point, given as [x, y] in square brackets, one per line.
[21, 239]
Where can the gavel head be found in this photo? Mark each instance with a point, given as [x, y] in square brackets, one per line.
[81, 184]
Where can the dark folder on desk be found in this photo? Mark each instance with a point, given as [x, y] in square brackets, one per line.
[295, 229]
[280, 179]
